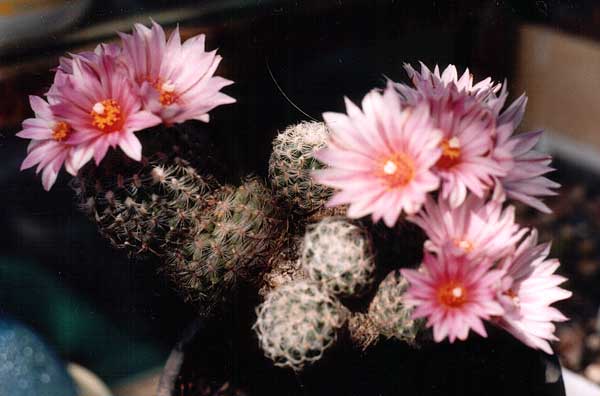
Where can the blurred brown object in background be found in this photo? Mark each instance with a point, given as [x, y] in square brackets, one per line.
[560, 73]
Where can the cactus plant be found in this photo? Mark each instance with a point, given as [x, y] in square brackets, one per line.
[338, 254]
[233, 238]
[297, 323]
[363, 332]
[144, 209]
[292, 162]
[389, 314]
[284, 267]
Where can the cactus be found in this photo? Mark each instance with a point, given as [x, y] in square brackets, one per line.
[338, 254]
[147, 207]
[363, 332]
[284, 267]
[234, 236]
[292, 162]
[297, 323]
[389, 314]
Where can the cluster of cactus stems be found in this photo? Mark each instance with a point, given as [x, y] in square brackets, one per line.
[308, 262]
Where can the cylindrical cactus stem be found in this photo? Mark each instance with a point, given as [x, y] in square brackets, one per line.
[297, 323]
[146, 207]
[389, 313]
[291, 163]
[233, 238]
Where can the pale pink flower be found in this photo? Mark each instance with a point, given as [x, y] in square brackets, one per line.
[48, 148]
[380, 157]
[97, 100]
[522, 168]
[525, 168]
[176, 80]
[458, 109]
[477, 228]
[454, 294]
[435, 82]
[529, 287]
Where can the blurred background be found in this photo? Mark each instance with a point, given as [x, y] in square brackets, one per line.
[112, 314]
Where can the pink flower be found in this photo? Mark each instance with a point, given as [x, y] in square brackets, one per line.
[175, 80]
[380, 157]
[513, 163]
[454, 294]
[48, 148]
[436, 82]
[524, 167]
[529, 286]
[458, 109]
[477, 228]
[95, 98]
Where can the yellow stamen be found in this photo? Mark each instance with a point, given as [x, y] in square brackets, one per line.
[450, 153]
[106, 116]
[61, 131]
[464, 244]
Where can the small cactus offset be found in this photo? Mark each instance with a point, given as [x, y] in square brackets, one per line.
[297, 323]
[338, 254]
[363, 332]
[146, 210]
[388, 312]
[292, 162]
[284, 267]
[234, 236]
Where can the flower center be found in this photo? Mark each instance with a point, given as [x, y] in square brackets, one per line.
[107, 116]
[398, 170]
[167, 94]
[510, 293]
[464, 244]
[61, 131]
[450, 153]
[452, 295]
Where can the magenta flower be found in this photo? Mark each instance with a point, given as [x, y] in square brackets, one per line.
[380, 157]
[529, 287]
[458, 109]
[477, 228]
[454, 294]
[48, 148]
[98, 102]
[176, 80]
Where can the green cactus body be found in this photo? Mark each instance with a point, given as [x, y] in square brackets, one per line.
[297, 323]
[234, 236]
[147, 209]
[291, 163]
[337, 254]
[389, 313]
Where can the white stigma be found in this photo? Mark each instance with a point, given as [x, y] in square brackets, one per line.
[390, 167]
[465, 245]
[98, 108]
[168, 86]
[457, 292]
[454, 142]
